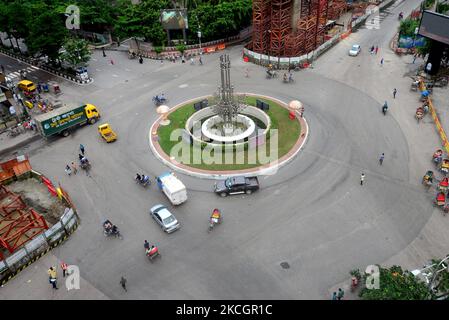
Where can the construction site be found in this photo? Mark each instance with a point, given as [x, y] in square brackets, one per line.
[34, 215]
[292, 28]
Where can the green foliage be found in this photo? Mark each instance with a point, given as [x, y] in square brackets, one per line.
[76, 52]
[428, 4]
[158, 50]
[356, 273]
[422, 51]
[141, 20]
[407, 27]
[47, 34]
[442, 7]
[181, 48]
[396, 284]
[220, 19]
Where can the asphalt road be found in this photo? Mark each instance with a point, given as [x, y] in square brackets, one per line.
[313, 214]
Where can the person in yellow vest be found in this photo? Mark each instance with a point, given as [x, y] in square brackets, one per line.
[52, 277]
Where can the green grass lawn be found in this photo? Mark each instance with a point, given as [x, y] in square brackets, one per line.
[288, 134]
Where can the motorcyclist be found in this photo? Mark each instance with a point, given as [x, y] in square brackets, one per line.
[385, 108]
[146, 245]
[138, 177]
[107, 225]
[114, 229]
[285, 77]
[290, 77]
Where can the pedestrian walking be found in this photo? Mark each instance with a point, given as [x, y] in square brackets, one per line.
[362, 178]
[334, 296]
[371, 50]
[112, 62]
[192, 62]
[381, 159]
[382, 62]
[377, 49]
[3, 69]
[394, 93]
[52, 277]
[68, 170]
[16, 99]
[80, 156]
[74, 168]
[246, 73]
[183, 60]
[340, 294]
[64, 268]
[414, 57]
[200, 61]
[82, 149]
[123, 283]
[104, 53]
[140, 60]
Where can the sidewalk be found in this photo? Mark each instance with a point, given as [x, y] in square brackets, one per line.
[34, 281]
[8, 144]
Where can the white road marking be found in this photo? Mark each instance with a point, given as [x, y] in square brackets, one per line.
[94, 59]
[115, 76]
[9, 66]
[98, 69]
[185, 85]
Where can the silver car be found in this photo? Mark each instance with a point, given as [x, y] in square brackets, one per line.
[355, 50]
[164, 218]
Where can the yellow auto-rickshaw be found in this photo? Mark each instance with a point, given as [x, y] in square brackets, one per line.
[26, 86]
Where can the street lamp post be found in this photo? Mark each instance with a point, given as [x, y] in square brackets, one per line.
[428, 271]
[199, 36]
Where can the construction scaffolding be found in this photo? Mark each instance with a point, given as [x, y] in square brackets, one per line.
[296, 27]
[18, 223]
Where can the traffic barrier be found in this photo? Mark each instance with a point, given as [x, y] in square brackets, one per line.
[442, 133]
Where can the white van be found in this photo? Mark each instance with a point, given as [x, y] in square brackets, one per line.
[173, 188]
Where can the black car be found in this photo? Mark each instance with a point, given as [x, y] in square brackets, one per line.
[236, 185]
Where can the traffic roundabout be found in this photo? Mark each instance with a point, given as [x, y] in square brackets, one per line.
[272, 138]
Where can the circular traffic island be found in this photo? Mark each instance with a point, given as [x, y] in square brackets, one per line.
[265, 135]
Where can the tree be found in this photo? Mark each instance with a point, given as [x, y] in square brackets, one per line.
[5, 20]
[396, 284]
[19, 15]
[76, 52]
[407, 27]
[142, 20]
[47, 34]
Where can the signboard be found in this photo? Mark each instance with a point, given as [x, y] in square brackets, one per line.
[3, 97]
[434, 26]
[63, 121]
[174, 19]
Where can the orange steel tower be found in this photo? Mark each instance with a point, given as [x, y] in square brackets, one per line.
[289, 28]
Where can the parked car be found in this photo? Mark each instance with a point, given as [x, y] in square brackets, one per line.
[355, 50]
[236, 185]
[164, 218]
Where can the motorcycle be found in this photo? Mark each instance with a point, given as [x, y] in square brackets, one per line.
[143, 180]
[111, 230]
[159, 99]
[384, 109]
